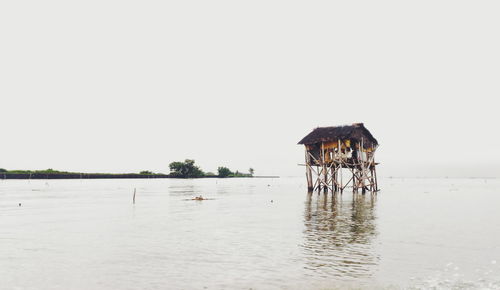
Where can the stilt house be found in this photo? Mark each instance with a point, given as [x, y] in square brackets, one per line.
[329, 151]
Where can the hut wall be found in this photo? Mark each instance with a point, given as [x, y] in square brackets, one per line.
[334, 144]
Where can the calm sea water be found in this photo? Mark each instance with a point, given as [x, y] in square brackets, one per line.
[252, 233]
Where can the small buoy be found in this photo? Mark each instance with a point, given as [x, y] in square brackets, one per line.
[271, 200]
[269, 185]
[19, 204]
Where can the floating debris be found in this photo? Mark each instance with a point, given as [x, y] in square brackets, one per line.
[200, 198]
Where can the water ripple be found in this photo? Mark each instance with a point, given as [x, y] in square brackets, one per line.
[338, 236]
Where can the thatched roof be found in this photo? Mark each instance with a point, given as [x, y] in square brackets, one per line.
[354, 132]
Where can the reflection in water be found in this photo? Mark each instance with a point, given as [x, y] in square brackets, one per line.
[183, 190]
[338, 236]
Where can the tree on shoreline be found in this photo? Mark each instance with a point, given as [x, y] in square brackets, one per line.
[224, 171]
[185, 169]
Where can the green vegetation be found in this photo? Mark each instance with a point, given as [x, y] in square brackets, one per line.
[185, 169]
[178, 169]
[46, 171]
[224, 171]
[239, 174]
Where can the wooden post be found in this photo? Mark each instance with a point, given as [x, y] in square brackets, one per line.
[308, 171]
[334, 178]
[372, 188]
[354, 181]
[363, 173]
[340, 166]
[323, 162]
[341, 174]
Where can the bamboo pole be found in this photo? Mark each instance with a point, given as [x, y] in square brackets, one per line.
[353, 171]
[335, 174]
[326, 170]
[363, 173]
[308, 171]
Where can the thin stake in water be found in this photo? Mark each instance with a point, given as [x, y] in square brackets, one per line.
[133, 199]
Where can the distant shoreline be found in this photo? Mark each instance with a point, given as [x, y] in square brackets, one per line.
[106, 176]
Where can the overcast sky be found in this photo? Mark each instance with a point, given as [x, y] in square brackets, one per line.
[123, 86]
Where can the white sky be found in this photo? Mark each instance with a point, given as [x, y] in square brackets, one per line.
[123, 86]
